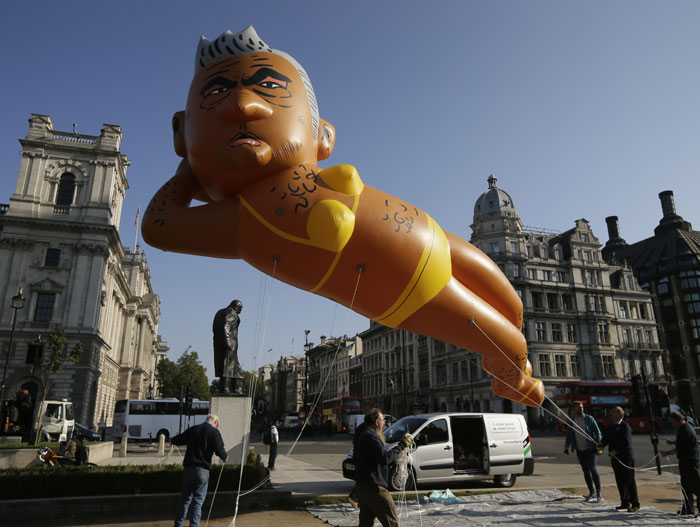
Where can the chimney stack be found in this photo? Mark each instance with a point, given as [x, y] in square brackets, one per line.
[613, 227]
[667, 204]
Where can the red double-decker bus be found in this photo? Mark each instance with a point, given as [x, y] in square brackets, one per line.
[337, 413]
[599, 397]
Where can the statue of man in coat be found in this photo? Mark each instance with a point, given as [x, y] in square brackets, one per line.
[226, 365]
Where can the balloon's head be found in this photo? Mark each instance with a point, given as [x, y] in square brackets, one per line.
[251, 112]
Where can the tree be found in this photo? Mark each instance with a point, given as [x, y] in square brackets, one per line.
[53, 365]
[187, 371]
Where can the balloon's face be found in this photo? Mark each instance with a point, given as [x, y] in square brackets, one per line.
[247, 117]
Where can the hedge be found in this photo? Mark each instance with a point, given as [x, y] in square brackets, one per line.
[46, 482]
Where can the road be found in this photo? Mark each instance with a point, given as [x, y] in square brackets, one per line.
[329, 452]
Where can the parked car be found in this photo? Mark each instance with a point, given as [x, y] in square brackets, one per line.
[85, 433]
[460, 447]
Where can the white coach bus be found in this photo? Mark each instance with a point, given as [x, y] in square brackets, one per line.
[150, 418]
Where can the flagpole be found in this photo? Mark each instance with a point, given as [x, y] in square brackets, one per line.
[136, 228]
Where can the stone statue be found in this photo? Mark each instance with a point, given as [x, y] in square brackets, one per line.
[226, 365]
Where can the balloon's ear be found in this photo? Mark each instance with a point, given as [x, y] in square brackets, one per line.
[326, 139]
[179, 134]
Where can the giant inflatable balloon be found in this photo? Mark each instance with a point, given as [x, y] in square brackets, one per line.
[250, 139]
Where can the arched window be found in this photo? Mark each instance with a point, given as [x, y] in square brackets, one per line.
[66, 189]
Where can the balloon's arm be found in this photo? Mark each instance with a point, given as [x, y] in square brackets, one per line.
[171, 224]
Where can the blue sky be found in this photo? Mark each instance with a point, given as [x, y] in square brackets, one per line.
[580, 109]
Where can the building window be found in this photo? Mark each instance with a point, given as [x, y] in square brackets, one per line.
[52, 257]
[633, 368]
[689, 279]
[514, 247]
[44, 307]
[552, 302]
[692, 302]
[517, 270]
[571, 332]
[455, 372]
[575, 366]
[494, 248]
[662, 286]
[586, 256]
[592, 303]
[465, 370]
[547, 275]
[532, 274]
[556, 332]
[557, 254]
[623, 310]
[589, 278]
[649, 338]
[34, 353]
[536, 300]
[540, 331]
[545, 366]
[626, 337]
[643, 311]
[560, 365]
[608, 366]
[584, 237]
[567, 303]
[543, 253]
[66, 189]
[530, 251]
[441, 374]
[561, 276]
[694, 324]
[603, 334]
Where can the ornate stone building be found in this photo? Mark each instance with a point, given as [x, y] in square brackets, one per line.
[584, 319]
[59, 241]
[667, 265]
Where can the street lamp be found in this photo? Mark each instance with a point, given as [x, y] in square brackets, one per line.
[17, 304]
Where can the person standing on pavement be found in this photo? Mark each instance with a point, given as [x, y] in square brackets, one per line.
[584, 438]
[274, 439]
[686, 448]
[372, 462]
[202, 440]
[618, 438]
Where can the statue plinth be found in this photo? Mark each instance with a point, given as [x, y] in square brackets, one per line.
[233, 411]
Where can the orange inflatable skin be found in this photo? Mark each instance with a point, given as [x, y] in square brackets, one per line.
[250, 155]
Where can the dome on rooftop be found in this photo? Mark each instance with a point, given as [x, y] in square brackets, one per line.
[493, 200]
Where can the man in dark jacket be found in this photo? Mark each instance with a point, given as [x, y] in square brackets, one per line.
[202, 441]
[618, 438]
[686, 448]
[372, 462]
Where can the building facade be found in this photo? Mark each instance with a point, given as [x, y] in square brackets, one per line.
[583, 318]
[59, 241]
[667, 265]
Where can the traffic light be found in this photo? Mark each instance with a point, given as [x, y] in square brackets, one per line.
[188, 398]
[638, 391]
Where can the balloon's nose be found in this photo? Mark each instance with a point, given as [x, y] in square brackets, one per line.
[244, 105]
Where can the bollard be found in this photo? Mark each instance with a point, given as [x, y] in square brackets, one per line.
[161, 444]
[122, 446]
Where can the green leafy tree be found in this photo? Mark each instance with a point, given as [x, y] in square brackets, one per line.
[186, 371]
[53, 364]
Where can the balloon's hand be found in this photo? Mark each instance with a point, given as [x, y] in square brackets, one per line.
[330, 224]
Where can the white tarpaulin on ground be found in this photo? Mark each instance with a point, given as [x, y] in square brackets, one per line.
[526, 508]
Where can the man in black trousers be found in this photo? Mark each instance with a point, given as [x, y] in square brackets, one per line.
[618, 438]
[686, 448]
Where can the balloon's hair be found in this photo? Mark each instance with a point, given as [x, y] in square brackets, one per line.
[247, 41]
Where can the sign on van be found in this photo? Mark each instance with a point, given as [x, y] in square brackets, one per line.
[503, 426]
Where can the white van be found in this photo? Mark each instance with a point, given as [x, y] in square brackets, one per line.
[354, 422]
[454, 447]
[57, 421]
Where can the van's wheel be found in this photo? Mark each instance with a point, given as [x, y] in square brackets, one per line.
[504, 480]
[163, 433]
